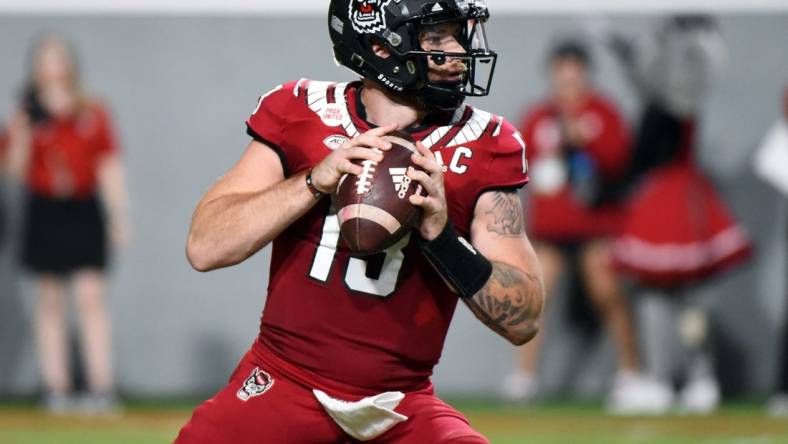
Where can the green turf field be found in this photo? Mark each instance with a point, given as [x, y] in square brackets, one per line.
[144, 423]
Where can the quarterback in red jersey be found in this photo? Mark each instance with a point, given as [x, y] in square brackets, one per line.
[347, 344]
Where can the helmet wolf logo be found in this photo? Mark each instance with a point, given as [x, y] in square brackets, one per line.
[367, 16]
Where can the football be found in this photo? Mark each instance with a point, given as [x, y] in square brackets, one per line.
[373, 208]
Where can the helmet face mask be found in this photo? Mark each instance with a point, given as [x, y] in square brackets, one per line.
[356, 25]
[477, 60]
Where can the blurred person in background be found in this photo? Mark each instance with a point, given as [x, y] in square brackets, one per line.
[678, 232]
[61, 144]
[771, 165]
[578, 144]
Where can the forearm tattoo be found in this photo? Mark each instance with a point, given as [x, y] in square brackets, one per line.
[506, 214]
[510, 302]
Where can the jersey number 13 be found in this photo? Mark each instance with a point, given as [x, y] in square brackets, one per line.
[367, 275]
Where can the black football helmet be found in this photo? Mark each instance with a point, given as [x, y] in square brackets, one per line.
[354, 25]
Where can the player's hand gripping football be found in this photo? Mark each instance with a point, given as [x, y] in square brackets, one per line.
[435, 215]
[326, 174]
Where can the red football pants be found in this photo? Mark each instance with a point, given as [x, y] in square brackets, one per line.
[288, 413]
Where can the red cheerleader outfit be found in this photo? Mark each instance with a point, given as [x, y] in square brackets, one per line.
[677, 228]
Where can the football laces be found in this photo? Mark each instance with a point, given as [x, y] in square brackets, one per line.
[364, 180]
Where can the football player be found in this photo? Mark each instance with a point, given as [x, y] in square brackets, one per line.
[347, 344]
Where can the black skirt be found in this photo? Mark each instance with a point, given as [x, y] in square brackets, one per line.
[63, 235]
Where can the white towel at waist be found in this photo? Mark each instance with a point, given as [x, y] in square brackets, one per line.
[367, 418]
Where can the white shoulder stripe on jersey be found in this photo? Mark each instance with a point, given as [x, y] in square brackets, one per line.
[435, 136]
[441, 131]
[297, 89]
[517, 136]
[498, 128]
[347, 122]
[317, 97]
[473, 129]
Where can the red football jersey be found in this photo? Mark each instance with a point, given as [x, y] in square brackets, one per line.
[376, 323]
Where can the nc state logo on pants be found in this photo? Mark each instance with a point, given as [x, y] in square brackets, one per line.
[256, 384]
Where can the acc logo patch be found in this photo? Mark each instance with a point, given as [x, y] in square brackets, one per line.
[335, 141]
[256, 384]
[367, 16]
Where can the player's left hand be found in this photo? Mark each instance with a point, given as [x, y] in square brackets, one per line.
[435, 215]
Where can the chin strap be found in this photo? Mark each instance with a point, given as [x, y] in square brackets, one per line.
[438, 97]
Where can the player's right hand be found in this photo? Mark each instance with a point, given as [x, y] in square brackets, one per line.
[326, 174]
